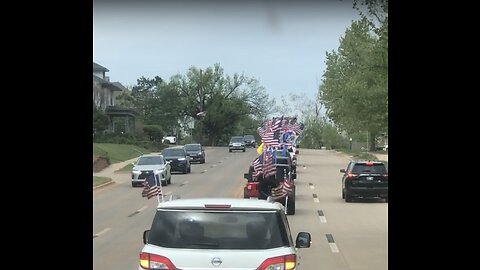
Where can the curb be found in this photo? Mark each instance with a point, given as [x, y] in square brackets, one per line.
[104, 184]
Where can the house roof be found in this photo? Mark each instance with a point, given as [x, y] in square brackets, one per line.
[97, 67]
[114, 86]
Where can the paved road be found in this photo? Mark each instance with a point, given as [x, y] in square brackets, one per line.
[345, 236]
[110, 170]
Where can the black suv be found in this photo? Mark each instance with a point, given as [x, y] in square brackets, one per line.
[250, 141]
[365, 179]
[179, 159]
[196, 152]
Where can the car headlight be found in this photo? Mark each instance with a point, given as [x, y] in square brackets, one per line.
[136, 172]
[181, 159]
[159, 171]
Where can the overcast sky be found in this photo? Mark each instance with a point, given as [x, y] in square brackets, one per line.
[280, 43]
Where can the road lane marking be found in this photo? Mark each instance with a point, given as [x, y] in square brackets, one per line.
[138, 211]
[101, 232]
[322, 216]
[315, 199]
[331, 243]
[311, 186]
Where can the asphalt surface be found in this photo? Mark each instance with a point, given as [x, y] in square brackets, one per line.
[110, 170]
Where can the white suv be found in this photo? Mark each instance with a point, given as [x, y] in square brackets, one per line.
[151, 164]
[221, 233]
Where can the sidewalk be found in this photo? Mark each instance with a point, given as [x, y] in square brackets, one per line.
[110, 171]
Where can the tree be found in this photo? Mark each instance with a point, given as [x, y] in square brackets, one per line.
[354, 89]
[224, 99]
[100, 120]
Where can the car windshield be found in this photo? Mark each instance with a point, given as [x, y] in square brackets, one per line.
[375, 168]
[173, 152]
[236, 139]
[218, 230]
[192, 147]
[150, 160]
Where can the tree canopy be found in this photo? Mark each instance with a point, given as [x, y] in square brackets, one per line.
[354, 87]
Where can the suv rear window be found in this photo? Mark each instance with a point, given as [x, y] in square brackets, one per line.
[193, 147]
[150, 160]
[173, 152]
[364, 168]
[236, 139]
[219, 230]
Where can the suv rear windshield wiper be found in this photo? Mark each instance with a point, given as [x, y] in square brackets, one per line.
[203, 244]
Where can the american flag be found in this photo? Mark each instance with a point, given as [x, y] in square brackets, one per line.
[257, 166]
[287, 186]
[268, 164]
[151, 187]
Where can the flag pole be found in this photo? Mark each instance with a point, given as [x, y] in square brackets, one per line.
[161, 190]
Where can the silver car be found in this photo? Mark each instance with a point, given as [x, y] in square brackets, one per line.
[151, 164]
[236, 143]
[221, 234]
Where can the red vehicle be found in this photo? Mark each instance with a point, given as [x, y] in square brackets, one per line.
[280, 187]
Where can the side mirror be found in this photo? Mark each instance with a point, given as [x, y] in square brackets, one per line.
[303, 240]
[145, 236]
[342, 170]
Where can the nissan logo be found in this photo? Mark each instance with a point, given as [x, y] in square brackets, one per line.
[216, 261]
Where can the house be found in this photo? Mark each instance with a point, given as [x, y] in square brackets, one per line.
[121, 119]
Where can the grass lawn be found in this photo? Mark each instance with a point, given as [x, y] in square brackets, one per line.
[118, 152]
[98, 180]
[127, 168]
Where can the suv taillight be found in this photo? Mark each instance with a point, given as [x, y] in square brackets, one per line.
[152, 261]
[287, 262]
[352, 175]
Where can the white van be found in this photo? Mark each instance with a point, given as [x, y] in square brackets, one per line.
[221, 233]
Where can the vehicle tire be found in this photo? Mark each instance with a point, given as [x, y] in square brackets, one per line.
[265, 188]
[243, 149]
[202, 161]
[343, 194]
[230, 150]
[348, 197]
[190, 169]
[133, 185]
[185, 171]
[169, 181]
[245, 194]
[291, 203]
[163, 183]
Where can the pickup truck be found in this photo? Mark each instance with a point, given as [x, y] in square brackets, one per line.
[170, 139]
[262, 188]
